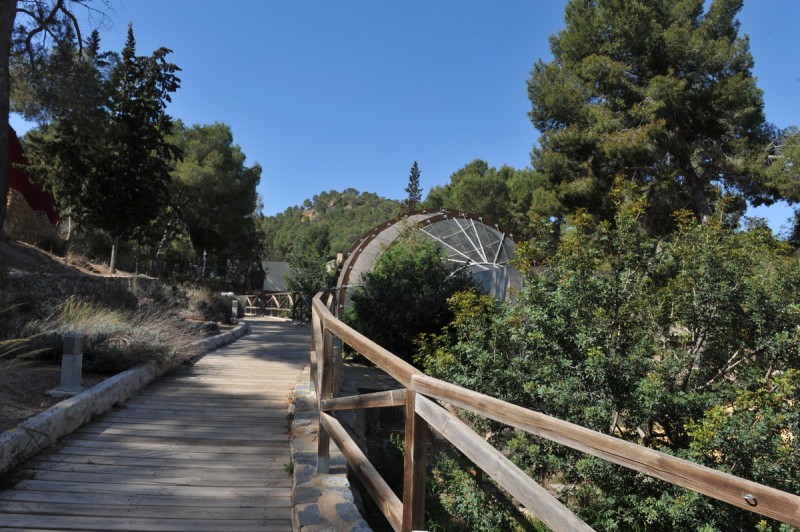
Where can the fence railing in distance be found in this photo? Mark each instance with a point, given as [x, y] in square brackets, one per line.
[279, 304]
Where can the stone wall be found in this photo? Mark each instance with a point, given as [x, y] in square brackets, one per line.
[24, 224]
[16, 288]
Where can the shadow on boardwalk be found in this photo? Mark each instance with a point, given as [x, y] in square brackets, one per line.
[203, 448]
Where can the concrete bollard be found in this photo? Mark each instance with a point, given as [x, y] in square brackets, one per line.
[71, 366]
[234, 308]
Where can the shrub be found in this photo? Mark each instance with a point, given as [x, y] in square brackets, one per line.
[406, 295]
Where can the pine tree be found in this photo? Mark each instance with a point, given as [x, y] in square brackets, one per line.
[108, 160]
[414, 192]
[656, 93]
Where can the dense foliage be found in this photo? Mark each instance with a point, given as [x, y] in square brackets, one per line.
[513, 198]
[333, 221]
[687, 344]
[308, 274]
[213, 204]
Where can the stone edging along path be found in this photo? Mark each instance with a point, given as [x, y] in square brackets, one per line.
[319, 502]
[44, 429]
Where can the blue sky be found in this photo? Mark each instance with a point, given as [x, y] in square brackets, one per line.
[335, 94]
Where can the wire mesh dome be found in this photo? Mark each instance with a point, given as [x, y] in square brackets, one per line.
[468, 240]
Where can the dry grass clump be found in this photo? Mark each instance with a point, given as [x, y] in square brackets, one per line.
[205, 304]
[119, 339]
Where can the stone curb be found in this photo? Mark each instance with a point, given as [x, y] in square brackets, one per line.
[44, 429]
[319, 502]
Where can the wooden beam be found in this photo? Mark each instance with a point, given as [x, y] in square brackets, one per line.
[399, 369]
[534, 497]
[324, 392]
[366, 400]
[763, 500]
[380, 491]
[414, 468]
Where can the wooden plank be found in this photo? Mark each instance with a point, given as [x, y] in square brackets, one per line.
[222, 435]
[380, 491]
[266, 419]
[164, 447]
[203, 412]
[768, 502]
[196, 461]
[534, 497]
[167, 478]
[140, 525]
[256, 429]
[90, 508]
[105, 499]
[147, 489]
[141, 470]
[399, 369]
[367, 400]
[414, 467]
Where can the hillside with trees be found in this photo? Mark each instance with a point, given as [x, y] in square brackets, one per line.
[329, 223]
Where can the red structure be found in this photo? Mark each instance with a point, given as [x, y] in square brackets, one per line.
[37, 198]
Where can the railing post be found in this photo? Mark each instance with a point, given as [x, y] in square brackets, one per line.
[414, 470]
[325, 391]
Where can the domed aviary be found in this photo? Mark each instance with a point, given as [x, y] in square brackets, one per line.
[469, 241]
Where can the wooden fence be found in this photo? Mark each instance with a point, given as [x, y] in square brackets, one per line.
[419, 395]
[272, 304]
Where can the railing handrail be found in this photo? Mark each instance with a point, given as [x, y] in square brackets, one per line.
[419, 391]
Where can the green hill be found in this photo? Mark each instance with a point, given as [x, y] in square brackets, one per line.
[331, 222]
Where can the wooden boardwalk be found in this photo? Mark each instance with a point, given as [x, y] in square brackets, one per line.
[203, 448]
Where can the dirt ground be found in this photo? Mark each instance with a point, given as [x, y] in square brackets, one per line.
[22, 388]
[22, 391]
[21, 257]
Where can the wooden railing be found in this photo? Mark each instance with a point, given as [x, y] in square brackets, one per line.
[419, 395]
[272, 304]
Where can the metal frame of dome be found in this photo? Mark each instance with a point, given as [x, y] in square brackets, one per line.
[473, 241]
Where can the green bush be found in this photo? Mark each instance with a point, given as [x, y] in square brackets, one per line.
[406, 295]
[686, 345]
[458, 502]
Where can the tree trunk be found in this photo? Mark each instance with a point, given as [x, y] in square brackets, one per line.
[8, 11]
[114, 248]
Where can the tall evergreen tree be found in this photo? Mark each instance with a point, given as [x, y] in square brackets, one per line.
[657, 93]
[110, 165]
[213, 194]
[414, 192]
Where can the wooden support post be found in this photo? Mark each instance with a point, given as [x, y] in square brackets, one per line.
[414, 470]
[324, 392]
